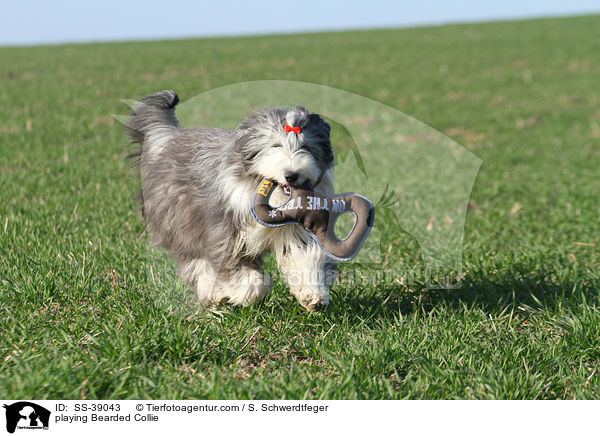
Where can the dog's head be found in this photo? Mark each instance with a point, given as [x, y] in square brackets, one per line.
[288, 145]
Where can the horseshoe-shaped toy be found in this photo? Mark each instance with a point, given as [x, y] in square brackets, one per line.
[317, 213]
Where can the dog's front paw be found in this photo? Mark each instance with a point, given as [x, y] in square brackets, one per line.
[313, 299]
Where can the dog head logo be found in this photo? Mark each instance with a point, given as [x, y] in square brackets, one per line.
[26, 415]
[419, 179]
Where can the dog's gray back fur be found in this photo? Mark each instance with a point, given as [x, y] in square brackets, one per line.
[180, 201]
[183, 202]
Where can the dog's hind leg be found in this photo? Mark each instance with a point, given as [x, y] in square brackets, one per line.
[199, 275]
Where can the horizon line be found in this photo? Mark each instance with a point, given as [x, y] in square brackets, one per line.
[182, 37]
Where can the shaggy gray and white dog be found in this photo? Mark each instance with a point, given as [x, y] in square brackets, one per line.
[197, 185]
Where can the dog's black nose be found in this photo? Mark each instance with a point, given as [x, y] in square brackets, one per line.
[291, 177]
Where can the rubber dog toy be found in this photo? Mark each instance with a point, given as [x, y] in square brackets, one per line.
[317, 213]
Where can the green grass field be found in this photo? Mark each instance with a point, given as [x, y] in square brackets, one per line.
[78, 317]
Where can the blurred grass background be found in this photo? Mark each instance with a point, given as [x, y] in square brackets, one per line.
[79, 319]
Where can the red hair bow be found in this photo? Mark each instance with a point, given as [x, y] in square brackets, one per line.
[292, 129]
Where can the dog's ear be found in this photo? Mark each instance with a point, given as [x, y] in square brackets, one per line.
[319, 124]
[246, 145]
[314, 120]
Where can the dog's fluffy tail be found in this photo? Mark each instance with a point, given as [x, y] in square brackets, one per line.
[152, 122]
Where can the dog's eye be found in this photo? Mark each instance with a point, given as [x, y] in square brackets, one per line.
[277, 146]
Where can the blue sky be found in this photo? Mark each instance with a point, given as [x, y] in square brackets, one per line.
[43, 21]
